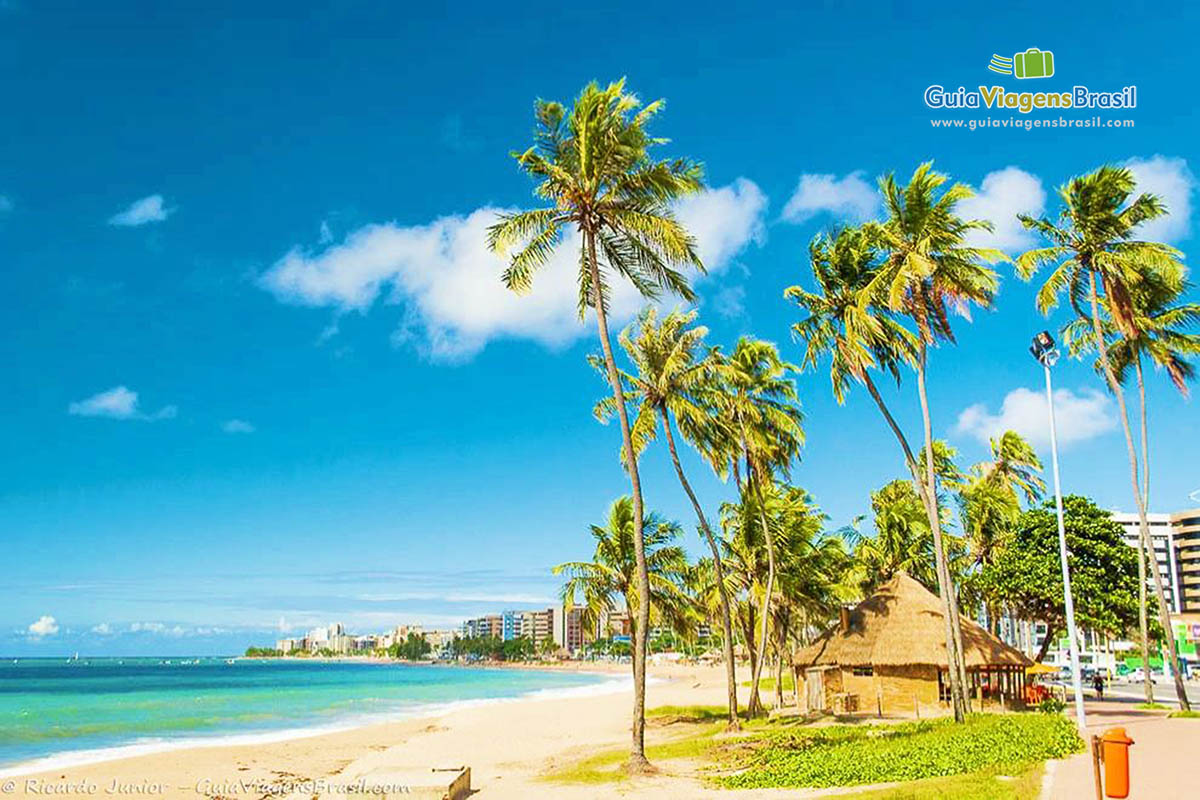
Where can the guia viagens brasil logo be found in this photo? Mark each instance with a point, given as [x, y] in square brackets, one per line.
[1028, 65]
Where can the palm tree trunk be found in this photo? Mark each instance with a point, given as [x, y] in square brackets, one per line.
[780, 654]
[718, 567]
[754, 705]
[945, 584]
[957, 680]
[1164, 615]
[755, 480]
[637, 753]
[1143, 623]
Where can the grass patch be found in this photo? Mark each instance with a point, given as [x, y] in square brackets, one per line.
[1184, 715]
[1024, 783]
[609, 766]
[1151, 707]
[767, 683]
[843, 755]
[691, 713]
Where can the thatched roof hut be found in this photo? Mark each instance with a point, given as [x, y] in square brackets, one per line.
[902, 624]
[890, 650]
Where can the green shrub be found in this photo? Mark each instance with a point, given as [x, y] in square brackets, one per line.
[855, 755]
[1051, 705]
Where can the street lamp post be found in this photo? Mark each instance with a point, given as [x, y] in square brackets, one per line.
[1044, 351]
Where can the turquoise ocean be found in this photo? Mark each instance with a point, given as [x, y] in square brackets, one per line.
[57, 712]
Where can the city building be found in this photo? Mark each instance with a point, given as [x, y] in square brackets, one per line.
[490, 625]
[1162, 536]
[510, 625]
[1186, 529]
[573, 630]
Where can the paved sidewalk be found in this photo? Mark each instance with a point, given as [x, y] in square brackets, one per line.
[1164, 762]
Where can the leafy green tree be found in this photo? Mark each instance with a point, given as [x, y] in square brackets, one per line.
[1026, 575]
[1100, 262]
[928, 271]
[263, 652]
[674, 383]
[413, 648]
[594, 168]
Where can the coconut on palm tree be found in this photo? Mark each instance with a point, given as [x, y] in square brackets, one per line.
[612, 199]
[673, 384]
[1107, 274]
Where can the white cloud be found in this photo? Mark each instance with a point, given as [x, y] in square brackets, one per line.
[237, 426]
[1173, 183]
[158, 628]
[849, 197]
[103, 629]
[1079, 416]
[449, 282]
[117, 403]
[140, 212]
[725, 221]
[1002, 195]
[44, 626]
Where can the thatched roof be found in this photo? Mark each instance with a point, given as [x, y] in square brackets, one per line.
[899, 625]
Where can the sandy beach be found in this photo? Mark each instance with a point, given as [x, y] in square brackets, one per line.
[508, 745]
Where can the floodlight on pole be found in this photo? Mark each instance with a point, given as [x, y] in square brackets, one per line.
[1046, 353]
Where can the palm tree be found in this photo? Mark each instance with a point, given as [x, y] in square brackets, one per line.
[593, 165]
[1164, 339]
[812, 581]
[610, 581]
[990, 501]
[1014, 467]
[1099, 261]
[928, 271]
[991, 494]
[673, 381]
[848, 321]
[902, 541]
[757, 420]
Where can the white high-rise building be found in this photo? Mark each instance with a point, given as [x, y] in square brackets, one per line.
[1162, 536]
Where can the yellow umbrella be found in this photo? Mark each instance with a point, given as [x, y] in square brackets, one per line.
[1040, 669]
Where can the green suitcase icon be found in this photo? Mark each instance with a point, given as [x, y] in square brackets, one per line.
[1033, 63]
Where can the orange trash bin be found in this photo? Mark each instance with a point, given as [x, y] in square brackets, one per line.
[1116, 742]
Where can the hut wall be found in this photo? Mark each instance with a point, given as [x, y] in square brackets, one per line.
[898, 690]
[904, 687]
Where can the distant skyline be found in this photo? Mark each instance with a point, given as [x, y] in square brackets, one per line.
[263, 375]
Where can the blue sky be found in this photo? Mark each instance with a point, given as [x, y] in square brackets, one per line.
[261, 375]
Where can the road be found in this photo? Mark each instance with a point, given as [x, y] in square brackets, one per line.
[1164, 692]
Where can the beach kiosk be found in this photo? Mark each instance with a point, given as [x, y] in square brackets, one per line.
[887, 655]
